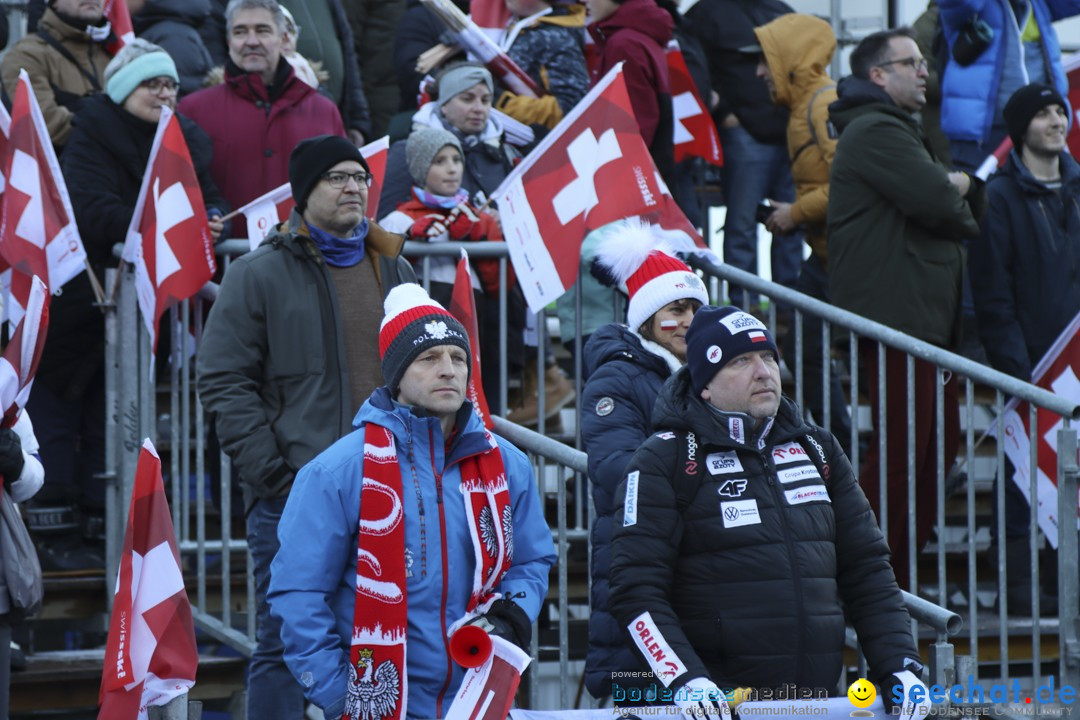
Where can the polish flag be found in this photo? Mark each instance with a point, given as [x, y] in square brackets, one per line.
[150, 656]
[38, 235]
[463, 307]
[757, 336]
[169, 239]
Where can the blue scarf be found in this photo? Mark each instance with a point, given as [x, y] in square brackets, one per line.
[341, 252]
[443, 202]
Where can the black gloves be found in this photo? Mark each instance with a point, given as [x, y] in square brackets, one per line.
[507, 620]
[11, 456]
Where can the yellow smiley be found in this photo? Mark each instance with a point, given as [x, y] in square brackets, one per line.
[862, 693]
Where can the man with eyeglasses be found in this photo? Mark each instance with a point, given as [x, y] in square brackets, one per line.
[65, 59]
[897, 222]
[289, 354]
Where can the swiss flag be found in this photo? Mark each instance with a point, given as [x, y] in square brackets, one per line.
[23, 352]
[169, 238]
[553, 198]
[265, 212]
[695, 132]
[1058, 372]
[151, 655]
[463, 307]
[120, 19]
[38, 235]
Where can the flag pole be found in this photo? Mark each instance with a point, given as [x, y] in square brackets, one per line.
[95, 284]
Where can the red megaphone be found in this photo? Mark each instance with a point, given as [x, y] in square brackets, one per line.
[470, 646]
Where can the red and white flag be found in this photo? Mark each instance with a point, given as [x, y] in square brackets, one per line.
[38, 235]
[120, 19]
[551, 200]
[487, 692]
[1072, 74]
[375, 153]
[491, 16]
[265, 212]
[994, 160]
[463, 307]
[169, 239]
[23, 352]
[695, 131]
[151, 656]
[1058, 372]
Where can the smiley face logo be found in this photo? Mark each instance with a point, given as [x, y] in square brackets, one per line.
[862, 693]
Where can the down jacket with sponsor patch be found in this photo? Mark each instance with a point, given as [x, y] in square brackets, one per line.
[752, 582]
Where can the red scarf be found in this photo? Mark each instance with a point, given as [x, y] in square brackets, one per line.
[378, 678]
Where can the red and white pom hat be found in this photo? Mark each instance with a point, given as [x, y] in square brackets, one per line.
[643, 261]
[412, 324]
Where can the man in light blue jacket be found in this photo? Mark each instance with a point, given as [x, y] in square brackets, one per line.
[450, 529]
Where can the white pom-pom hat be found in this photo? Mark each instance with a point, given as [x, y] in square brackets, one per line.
[642, 260]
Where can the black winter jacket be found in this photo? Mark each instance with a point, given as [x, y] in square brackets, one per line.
[1025, 269]
[751, 583]
[103, 164]
[625, 373]
[724, 26]
[174, 24]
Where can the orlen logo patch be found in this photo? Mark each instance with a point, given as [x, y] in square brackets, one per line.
[666, 665]
[788, 453]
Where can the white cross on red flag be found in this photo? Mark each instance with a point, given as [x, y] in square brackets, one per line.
[151, 656]
[169, 239]
[1058, 372]
[463, 307]
[592, 169]
[38, 235]
[265, 212]
[695, 131]
[23, 352]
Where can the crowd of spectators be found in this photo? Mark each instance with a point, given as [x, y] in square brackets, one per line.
[268, 93]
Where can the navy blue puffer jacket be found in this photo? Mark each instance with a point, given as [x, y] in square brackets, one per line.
[625, 373]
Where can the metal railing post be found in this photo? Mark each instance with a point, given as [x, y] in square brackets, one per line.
[1068, 590]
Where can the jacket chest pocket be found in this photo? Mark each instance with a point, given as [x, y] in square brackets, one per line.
[295, 336]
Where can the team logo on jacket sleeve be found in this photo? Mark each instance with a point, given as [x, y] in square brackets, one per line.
[665, 664]
[630, 501]
[604, 406]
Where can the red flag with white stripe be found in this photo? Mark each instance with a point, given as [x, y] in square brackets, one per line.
[463, 307]
[38, 235]
[552, 199]
[151, 656]
[695, 131]
[169, 238]
[120, 19]
[995, 159]
[375, 154]
[23, 352]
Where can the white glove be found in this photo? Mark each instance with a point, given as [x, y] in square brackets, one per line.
[701, 699]
[907, 708]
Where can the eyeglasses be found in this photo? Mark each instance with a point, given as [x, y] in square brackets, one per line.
[156, 85]
[338, 180]
[916, 64]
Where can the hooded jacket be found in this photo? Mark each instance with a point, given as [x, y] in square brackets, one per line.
[742, 570]
[1025, 269]
[637, 34]
[255, 128]
[972, 95]
[173, 24]
[724, 26]
[313, 577]
[59, 85]
[550, 49]
[271, 368]
[798, 50]
[625, 373]
[896, 225]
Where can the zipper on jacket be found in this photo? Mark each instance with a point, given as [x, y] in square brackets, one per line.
[445, 570]
[324, 274]
[796, 578]
[1049, 225]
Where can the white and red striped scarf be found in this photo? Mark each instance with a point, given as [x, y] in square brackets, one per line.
[378, 682]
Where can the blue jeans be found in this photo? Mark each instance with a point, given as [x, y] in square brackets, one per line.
[272, 691]
[754, 171]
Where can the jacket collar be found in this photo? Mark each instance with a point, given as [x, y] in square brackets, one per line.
[470, 437]
[1070, 172]
[294, 235]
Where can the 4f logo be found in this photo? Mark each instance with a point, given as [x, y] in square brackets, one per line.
[732, 488]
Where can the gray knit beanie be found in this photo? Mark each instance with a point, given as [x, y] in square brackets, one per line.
[422, 147]
[459, 78]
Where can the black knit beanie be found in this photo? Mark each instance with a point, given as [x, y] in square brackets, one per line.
[314, 156]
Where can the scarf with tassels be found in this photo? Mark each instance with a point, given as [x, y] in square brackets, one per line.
[378, 677]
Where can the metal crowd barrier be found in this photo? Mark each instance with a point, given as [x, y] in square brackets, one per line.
[212, 547]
